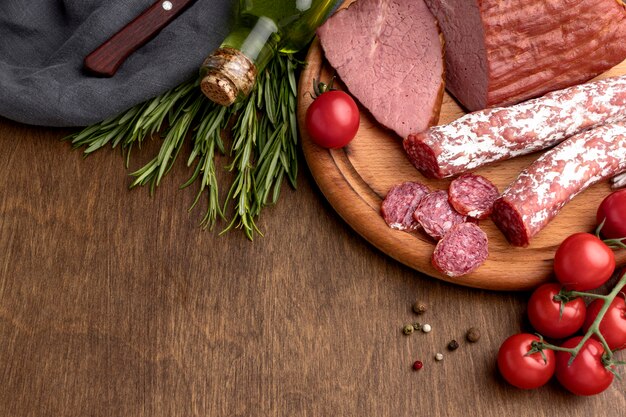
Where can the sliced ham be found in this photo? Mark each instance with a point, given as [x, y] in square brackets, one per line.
[389, 55]
[503, 52]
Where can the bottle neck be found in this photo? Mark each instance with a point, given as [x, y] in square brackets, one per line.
[258, 41]
[229, 73]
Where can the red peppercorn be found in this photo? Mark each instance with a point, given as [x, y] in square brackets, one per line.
[417, 365]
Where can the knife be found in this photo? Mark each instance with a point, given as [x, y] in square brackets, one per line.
[107, 58]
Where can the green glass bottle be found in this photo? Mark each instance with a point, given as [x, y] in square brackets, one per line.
[261, 28]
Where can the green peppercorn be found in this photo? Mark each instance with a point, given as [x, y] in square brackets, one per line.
[408, 329]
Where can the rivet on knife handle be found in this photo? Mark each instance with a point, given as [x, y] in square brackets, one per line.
[106, 59]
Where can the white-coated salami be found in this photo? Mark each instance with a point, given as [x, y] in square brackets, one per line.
[461, 251]
[497, 134]
[435, 214]
[542, 189]
[473, 195]
[619, 181]
[400, 203]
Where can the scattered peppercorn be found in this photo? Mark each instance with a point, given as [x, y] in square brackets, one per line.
[417, 365]
[408, 329]
[439, 357]
[419, 308]
[473, 334]
[453, 345]
[426, 328]
[417, 326]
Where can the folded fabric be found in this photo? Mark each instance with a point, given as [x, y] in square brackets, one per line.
[43, 44]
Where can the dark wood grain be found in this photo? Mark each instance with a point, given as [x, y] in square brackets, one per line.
[113, 303]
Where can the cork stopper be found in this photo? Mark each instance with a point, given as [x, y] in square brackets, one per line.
[227, 74]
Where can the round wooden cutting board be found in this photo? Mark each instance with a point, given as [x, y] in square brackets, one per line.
[355, 180]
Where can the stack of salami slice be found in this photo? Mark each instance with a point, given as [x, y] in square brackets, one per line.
[449, 217]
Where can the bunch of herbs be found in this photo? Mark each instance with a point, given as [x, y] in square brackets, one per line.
[262, 146]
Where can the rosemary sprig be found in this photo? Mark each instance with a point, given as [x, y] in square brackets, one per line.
[262, 147]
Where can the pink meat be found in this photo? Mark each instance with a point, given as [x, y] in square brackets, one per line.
[497, 134]
[390, 56]
[473, 195]
[503, 52]
[542, 189]
[461, 251]
[435, 214]
[400, 203]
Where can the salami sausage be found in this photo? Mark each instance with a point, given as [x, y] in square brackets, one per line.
[501, 133]
[618, 181]
[400, 203]
[436, 215]
[473, 195]
[463, 249]
[542, 189]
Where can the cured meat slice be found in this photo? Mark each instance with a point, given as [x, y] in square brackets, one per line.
[473, 195]
[504, 52]
[435, 214]
[461, 251]
[389, 54]
[400, 203]
[542, 189]
[497, 134]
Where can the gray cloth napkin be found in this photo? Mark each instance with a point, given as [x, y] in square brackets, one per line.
[43, 44]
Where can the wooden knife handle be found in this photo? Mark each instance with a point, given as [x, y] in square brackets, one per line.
[106, 59]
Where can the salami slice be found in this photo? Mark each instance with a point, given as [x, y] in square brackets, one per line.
[436, 215]
[461, 251]
[542, 189]
[400, 203]
[473, 195]
[501, 133]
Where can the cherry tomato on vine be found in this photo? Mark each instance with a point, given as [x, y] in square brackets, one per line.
[583, 262]
[332, 119]
[545, 313]
[613, 324]
[522, 370]
[587, 375]
[613, 209]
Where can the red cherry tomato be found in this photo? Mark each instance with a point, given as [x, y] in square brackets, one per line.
[332, 119]
[545, 315]
[521, 370]
[583, 262]
[613, 209]
[587, 374]
[613, 324]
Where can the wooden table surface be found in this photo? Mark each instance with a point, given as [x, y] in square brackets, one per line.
[115, 303]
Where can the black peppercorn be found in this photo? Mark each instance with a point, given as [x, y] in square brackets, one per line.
[453, 345]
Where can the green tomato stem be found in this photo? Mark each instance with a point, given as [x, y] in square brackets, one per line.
[587, 294]
[619, 243]
[595, 326]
